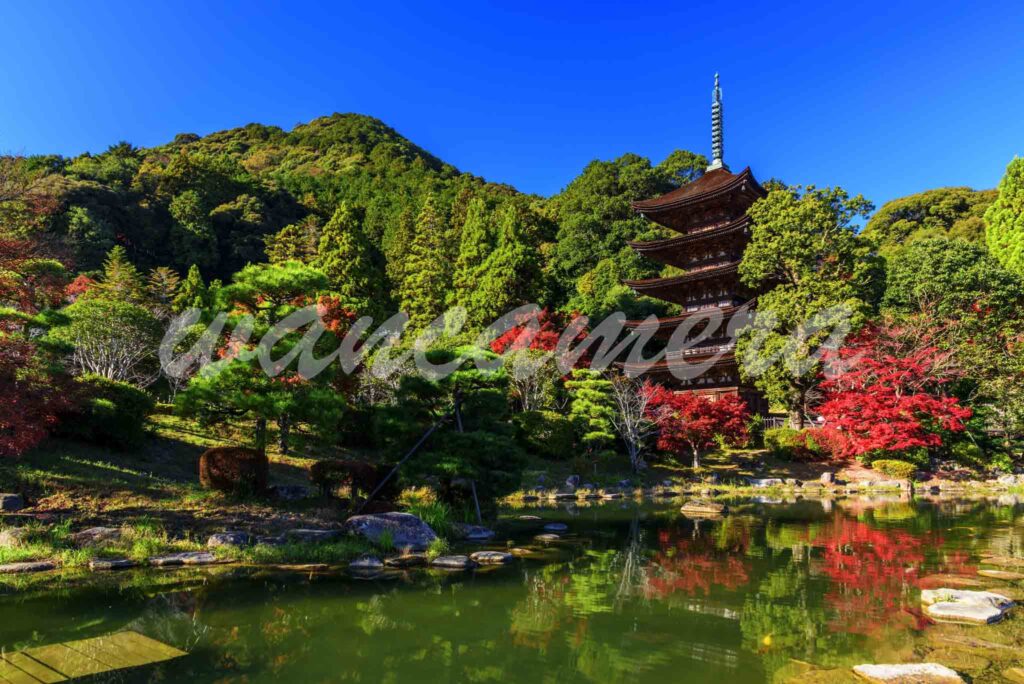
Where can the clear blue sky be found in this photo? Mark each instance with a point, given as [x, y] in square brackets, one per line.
[883, 98]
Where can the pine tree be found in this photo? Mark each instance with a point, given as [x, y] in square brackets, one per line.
[121, 281]
[192, 293]
[162, 287]
[1005, 219]
[396, 247]
[475, 246]
[344, 255]
[592, 408]
[511, 275]
[294, 242]
[426, 268]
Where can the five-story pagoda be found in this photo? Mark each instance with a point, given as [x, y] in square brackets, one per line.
[710, 215]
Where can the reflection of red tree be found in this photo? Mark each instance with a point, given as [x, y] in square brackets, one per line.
[692, 566]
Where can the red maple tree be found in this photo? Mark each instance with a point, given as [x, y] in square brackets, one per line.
[690, 422]
[887, 391]
[539, 330]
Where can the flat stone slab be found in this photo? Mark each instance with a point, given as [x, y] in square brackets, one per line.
[96, 535]
[1006, 575]
[769, 482]
[233, 539]
[700, 507]
[491, 557]
[529, 517]
[611, 495]
[406, 531]
[556, 527]
[547, 537]
[1003, 561]
[909, 673]
[453, 563]
[112, 564]
[366, 564]
[975, 607]
[11, 503]
[32, 566]
[474, 533]
[409, 560]
[950, 581]
[304, 536]
[184, 558]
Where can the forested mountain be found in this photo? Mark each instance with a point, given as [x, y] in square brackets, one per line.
[956, 212]
[259, 193]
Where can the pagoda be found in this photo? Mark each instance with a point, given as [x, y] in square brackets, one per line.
[710, 217]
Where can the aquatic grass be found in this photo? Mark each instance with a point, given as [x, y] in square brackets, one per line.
[340, 551]
[438, 547]
[437, 514]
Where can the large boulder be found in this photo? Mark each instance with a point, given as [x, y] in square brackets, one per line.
[234, 470]
[909, 673]
[95, 536]
[406, 531]
[11, 503]
[12, 537]
[957, 605]
[229, 539]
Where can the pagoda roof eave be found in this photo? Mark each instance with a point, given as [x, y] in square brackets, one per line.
[671, 322]
[711, 184]
[649, 246]
[659, 283]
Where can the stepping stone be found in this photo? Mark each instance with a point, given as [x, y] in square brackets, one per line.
[112, 564]
[366, 564]
[700, 507]
[556, 527]
[547, 537]
[410, 560]
[19, 568]
[96, 535]
[12, 537]
[911, 673]
[303, 536]
[11, 503]
[1006, 575]
[953, 581]
[491, 557]
[611, 495]
[520, 553]
[974, 607]
[185, 558]
[453, 563]
[474, 533]
[234, 539]
[1014, 674]
[565, 496]
[1003, 561]
[530, 517]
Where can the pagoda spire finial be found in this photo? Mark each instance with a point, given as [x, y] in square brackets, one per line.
[716, 129]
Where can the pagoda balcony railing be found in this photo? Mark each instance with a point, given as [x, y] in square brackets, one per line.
[714, 225]
[717, 261]
[705, 350]
[710, 303]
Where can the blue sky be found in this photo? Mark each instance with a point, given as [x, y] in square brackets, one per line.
[882, 98]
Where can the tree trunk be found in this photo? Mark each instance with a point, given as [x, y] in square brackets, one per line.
[696, 459]
[284, 428]
[261, 434]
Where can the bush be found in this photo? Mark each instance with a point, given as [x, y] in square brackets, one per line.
[898, 470]
[107, 412]
[358, 476]
[545, 433]
[787, 444]
[755, 431]
[234, 470]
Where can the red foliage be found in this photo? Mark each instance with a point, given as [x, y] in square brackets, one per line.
[886, 392]
[32, 399]
[233, 469]
[694, 565]
[690, 422]
[77, 287]
[540, 330]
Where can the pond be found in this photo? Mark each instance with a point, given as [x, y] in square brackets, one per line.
[632, 593]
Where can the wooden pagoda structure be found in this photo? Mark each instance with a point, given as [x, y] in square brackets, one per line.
[710, 217]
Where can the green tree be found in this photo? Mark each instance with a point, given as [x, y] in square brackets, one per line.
[89, 236]
[294, 242]
[592, 409]
[943, 212]
[511, 275]
[192, 238]
[272, 291]
[426, 269]
[818, 275]
[192, 293]
[344, 256]
[120, 281]
[1005, 218]
[162, 287]
[475, 245]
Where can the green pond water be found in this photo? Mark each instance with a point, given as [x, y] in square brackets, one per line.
[631, 594]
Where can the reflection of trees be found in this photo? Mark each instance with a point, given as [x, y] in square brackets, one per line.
[693, 563]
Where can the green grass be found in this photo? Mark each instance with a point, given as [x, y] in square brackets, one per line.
[332, 553]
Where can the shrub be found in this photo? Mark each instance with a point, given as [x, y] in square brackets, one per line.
[787, 444]
[898, 470]
[358, 476]
[755, 431]
[234, 470]
[545, 433]
[107, 412]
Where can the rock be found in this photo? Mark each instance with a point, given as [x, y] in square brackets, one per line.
[1003, 561]
[827, 478]
[304, 536]
[547, 537]
[975, 607]
[701, 507]
[94, 536]
[408, 533]
[1014, 674]
[565, 495]
[666, 493]
[366, 564]
[765, 482]
[291, 492]
[408, 560]
[11, 537]
[271, 540]
[491, 557]
[112, 564]
[792, 482]
[911, 673]
[473, 533]
[611, 494]
[453, 563]
[234, 539]
[32, 566]
[521, 553]
[185, 558]
[530, 498]
[1009, 480]
[11, 503]
[530, 517]
[556, 527]
[573, 481]
[950, 581]
[1005, 575]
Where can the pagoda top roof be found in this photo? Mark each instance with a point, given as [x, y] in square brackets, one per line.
[718, 181]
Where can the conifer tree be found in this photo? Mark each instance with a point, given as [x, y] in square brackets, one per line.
[511, 275]
[422, 292]
[162, 287]
[396, 247]
[121, 281]
[475, 246]
[294, 242]
[192, 293]
[344, 255]
[1005, 218]
[592, 409]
